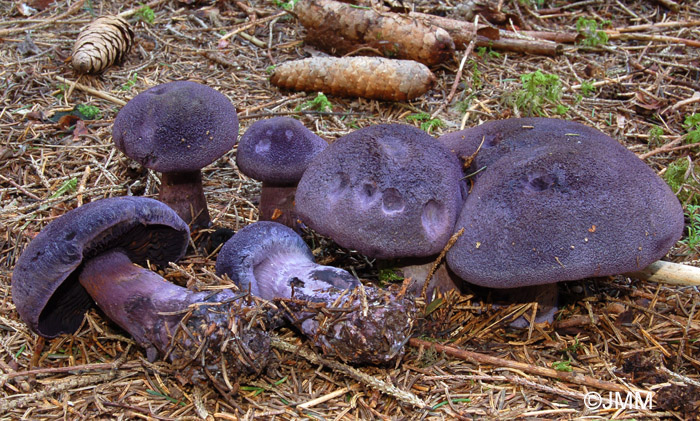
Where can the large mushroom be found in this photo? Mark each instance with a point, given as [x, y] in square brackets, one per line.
[277, 151]
[96, 253]
[178, 128]
[388, 191]
[557, 201]
[328, 304]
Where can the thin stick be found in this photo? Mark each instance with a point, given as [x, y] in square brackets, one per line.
[458, 76]
[669, 273]
[444, 251]
[91, 91]
[324, 398]
[391, 390]
[564, 376]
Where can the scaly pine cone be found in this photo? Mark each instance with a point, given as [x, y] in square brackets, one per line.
[103, 42]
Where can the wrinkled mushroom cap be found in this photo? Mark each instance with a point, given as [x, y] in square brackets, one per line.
[176, 127]
[577, 204]
[277, 150]
[45, 287]
[387, 191]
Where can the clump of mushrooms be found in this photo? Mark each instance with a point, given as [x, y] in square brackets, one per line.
[96, 253]
[178, 128]
[329, 305]
[277, 151]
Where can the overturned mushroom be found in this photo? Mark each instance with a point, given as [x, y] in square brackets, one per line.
[355, 323]
[92, 252]
[277, 151]
[558, 201]
[178, 128]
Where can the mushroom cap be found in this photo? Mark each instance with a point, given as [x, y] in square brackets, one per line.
[177, 126]
[577, 204]
[45, 287]
[267, 256]
[387, 191]
[501, 137]
[277, 150]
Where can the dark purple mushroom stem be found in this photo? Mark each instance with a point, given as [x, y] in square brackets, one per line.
[277, 204]
[170, 320]
[330, 306]
[277, 151]
[183, 192]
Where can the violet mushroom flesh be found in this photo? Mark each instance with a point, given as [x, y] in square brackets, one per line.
[178, 128]
[329, 305]
[277, 151]
[558, 201]
[92, 255]
[389, 191]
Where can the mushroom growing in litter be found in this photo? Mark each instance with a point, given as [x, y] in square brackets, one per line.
[178, 128]
[277, 151]
[365, 325]
[558, 201]
[387, 191]
[92, 252]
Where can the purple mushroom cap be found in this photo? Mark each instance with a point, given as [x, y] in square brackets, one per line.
[271, 260]
[572, 205]
[387, 191]
[178, 126]
[45, 287]
[277, 150]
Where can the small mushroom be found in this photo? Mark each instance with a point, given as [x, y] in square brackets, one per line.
[277, 151]
[558, 201]
[178, 128]
[329, 305]
[387, 191]
[92, 252]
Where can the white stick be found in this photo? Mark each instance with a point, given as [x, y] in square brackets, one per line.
[670, 273]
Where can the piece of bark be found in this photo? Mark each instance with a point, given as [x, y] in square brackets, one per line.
[538, 47]
[366, 77]
[340, 29]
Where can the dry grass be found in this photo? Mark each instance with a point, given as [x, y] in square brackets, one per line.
[617, 332]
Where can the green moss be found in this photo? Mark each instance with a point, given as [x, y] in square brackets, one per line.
[680, 179]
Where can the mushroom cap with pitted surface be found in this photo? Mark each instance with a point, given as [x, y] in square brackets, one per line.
[177, 126]
[277, 150]
[560, 201]
[45, 287]
[388, 191]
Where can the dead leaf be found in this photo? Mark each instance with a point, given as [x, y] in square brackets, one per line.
[80, 129]
[67, 120]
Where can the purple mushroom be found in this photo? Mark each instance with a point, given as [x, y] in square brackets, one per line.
[329, 305]
[558, 201]
[277, 151]
[387, 191]
[92, 254]
[178, 128]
